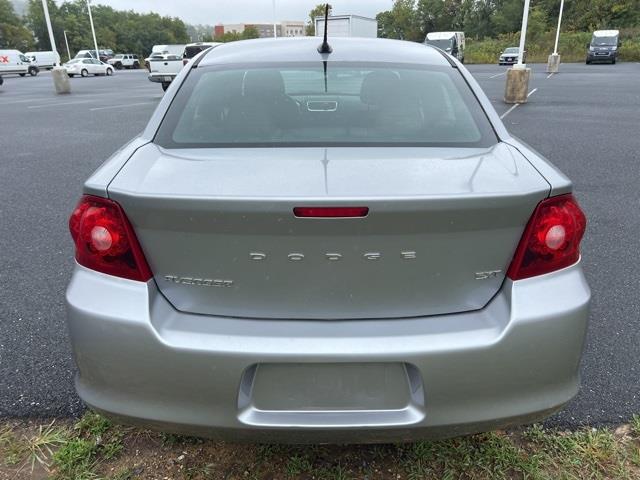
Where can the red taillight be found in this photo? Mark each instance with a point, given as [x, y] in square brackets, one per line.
[551, 240]
[105, 240]
[330, 212]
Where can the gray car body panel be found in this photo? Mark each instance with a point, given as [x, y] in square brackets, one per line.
[513, 358]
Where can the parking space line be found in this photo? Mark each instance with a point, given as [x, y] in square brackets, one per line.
[58, 104]
[120, 106]
[509, 111]
[498, 74]
[517, 104]
[550, 75]
[32, 100]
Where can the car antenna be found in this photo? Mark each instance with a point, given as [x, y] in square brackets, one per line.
[325, 47]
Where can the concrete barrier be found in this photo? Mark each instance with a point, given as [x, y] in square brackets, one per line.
[517, 86]
[553, 64]
[61, 80]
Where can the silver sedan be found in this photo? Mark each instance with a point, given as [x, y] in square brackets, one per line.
[327, 247]
[87, 66]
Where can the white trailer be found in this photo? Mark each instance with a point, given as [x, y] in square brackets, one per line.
[348, 26]
[451, 42]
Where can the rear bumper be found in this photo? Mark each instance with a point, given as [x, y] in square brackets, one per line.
[140, 360]
[164, 78]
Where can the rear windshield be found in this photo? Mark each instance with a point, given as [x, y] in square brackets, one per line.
[300, 105]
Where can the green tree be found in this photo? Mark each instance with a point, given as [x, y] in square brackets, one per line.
[13, 33]
[250, 32]
[122, 31]
[400, 22]
[317, 11]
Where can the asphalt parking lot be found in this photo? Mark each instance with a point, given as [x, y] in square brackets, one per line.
[585, 119]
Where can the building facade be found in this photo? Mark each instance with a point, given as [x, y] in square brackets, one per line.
[265, 30]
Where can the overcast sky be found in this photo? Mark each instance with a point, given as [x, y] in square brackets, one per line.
[239, 11]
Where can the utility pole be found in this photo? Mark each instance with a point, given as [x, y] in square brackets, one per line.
[517, 84]
[66, 41]
[59, 74]
[553, 64]
[93, 30]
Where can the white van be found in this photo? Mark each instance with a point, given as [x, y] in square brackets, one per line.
[14, 61]
[44, 59]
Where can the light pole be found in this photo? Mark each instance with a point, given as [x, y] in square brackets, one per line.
[553, 65]
[66, 41]
[523, 35]
[555, 49]
[517, 84]
[47, 19]
[275, 30]
[93, 31]
[59, 74]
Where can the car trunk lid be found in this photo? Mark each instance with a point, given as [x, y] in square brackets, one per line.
[219, 231]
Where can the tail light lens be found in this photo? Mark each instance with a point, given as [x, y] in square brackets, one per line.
[105, 240]
[551, 240]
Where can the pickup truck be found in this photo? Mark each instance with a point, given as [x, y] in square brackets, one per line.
[124, 60]
[164, 68]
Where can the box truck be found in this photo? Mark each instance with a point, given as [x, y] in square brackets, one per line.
[348, 26]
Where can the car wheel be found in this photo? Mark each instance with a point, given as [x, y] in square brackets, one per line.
[165, 85]
[613, 62]
[136, 66]
[71, 75]
[119, 66]
[22, 74]
[109, 72]
[33, 71]
[84, 73]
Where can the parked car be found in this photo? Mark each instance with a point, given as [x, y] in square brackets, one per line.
[87, 66]
[104, 55]
[124, 60]
[327, 247]
[603, 46]
[193, 49]
[16, 62]
[45, 60]
[510, 56]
